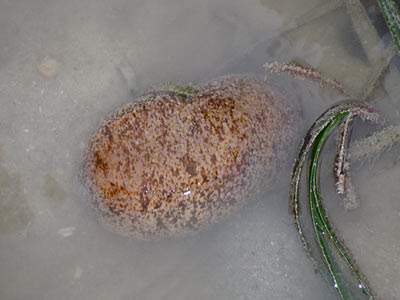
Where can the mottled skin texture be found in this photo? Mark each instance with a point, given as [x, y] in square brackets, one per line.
[168, 164]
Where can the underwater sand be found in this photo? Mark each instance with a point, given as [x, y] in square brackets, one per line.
[64, 66]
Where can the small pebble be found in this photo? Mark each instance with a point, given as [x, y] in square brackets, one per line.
[66, 232]
[49, 67]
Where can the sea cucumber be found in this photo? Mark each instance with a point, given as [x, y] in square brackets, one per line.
[169, 164]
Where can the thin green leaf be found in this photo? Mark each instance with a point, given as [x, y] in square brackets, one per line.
[391, 14]
[322, 227]
[314, 141]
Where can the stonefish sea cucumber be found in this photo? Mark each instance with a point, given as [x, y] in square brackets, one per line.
[169, 163]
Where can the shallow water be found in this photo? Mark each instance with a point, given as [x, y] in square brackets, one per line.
[65, 65]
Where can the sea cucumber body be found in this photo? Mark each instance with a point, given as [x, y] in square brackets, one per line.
[168, 164]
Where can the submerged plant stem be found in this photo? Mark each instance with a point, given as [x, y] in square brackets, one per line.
[299, 71]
